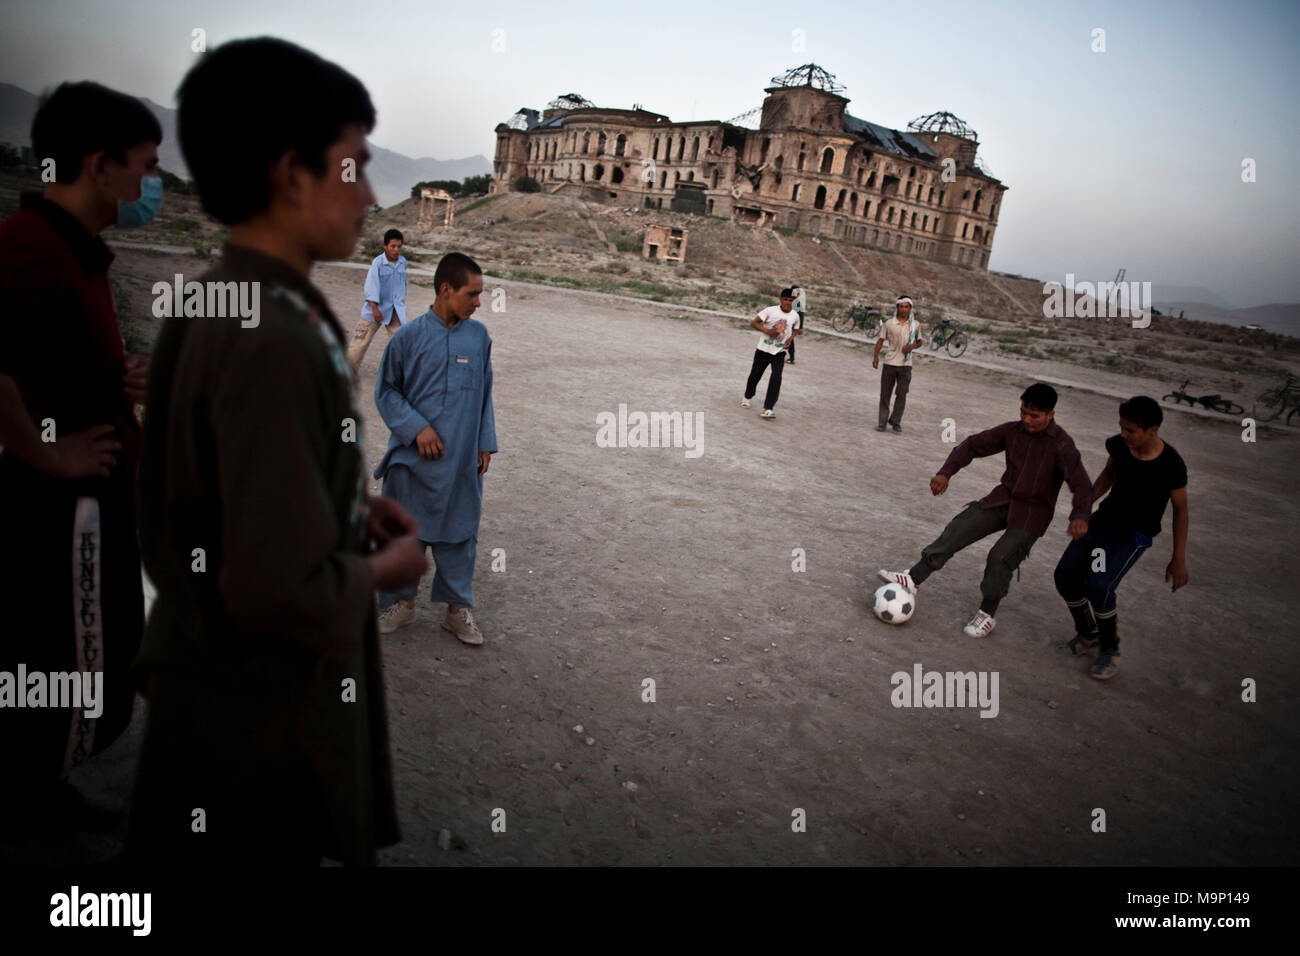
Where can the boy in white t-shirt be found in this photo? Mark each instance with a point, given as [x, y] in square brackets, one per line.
[777, 324]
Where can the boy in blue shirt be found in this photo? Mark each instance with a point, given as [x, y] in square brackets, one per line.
[385, 293]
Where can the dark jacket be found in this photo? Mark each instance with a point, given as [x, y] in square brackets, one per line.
[247, 457]
[1037, 464]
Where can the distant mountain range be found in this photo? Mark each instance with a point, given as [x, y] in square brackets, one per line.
[391, 174]
[1283, 318]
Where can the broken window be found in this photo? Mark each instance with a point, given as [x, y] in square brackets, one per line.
[799, 166]
[598, 172]
[695, 149]
[853, 204]
[620, 145]
[617, 175]
[762, 155]
[890, 217]
[871, 180]
[600, 145]
[819, 201]
[715, 180]
[582, 172]
[794, 193]
[681, 147]
[964, 227]
[828, 159]
[839, 200]
[913, 223]
[925, 223]
[586, 143]
[930, 198]
[663, 180]
[979, 197]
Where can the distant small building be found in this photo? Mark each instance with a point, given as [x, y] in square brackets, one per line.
[664, 243]
[429, 199]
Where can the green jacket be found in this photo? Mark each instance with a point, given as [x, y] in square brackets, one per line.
[248, 456]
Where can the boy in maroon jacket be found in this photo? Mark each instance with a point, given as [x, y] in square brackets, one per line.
[1039, 455]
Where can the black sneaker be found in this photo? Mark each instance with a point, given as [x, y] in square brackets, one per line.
[880, 428]
[897, 428]
[1106, 665]
[1080, 644]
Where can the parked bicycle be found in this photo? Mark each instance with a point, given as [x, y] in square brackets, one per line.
[949, 333]
[1215, 403]
[1275, 401]
[861, 317]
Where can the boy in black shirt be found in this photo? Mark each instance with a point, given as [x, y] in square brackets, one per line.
[1146, 473]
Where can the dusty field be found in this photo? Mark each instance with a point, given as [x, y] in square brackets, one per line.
[773, 687]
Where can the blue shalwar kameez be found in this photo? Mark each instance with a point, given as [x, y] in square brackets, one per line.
[434, 375]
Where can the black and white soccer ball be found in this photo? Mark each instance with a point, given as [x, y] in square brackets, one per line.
[893, 603]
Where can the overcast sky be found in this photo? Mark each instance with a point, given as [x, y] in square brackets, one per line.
[1130, 157]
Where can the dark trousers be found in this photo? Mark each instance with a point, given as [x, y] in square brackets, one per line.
[761, 361]
[1077, 581]
[965, 529]
[891, 377]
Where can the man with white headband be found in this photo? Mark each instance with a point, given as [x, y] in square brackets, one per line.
[899, 337]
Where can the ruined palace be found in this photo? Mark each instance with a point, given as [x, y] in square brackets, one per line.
[809, 167]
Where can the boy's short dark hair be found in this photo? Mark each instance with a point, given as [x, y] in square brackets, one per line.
[232, 129]
[78, 119]
[392, 234]
[1142, 410]
[1039, 396]
[455, 268]
[787, 293]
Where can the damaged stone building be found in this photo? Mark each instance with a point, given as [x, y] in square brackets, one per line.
[809, 167]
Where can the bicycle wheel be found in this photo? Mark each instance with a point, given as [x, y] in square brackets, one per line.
[844, 322]
[871, 326]
[1269, 405]
[957, 344]
[1228, 408]
[937, 340]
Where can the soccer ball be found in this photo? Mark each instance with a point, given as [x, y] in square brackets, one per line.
[894, 604]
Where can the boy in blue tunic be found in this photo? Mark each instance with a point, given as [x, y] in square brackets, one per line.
[385, 298]
[434, 391]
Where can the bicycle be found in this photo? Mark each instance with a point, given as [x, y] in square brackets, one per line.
[949, 333]
[862, 317]
[1275, 401]
[1215, 403]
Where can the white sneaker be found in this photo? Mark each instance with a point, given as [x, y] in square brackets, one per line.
[981, 625]
[768, 413]
[461, 623]
[397, 615]
[898, 577]
[744, 403]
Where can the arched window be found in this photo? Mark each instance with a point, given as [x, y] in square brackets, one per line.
[654, 153]
[663, 180]
[853, 204]
[799, 165]
[681, 147]
[715, 179]
[871, 180]
[819, 201]
[582, 172]
[794, 193]
[890, 217]
[695, 149]
[598, 172]
[586, 143]
[979, 197]
[617, 175]
[839, 200]
[600, 145]
[828, 159]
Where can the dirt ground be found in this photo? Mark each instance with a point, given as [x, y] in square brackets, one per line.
[772, 687]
